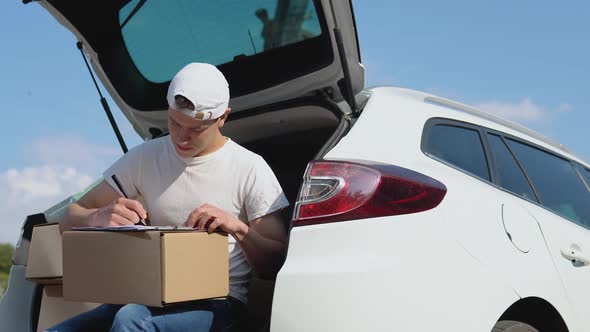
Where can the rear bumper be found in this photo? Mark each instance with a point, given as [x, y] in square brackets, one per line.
[403, 273]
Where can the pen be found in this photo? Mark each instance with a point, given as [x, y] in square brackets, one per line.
[114, 177]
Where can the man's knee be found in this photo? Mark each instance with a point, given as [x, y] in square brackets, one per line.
[132, 317]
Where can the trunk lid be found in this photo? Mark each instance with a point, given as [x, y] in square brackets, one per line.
[269, 50]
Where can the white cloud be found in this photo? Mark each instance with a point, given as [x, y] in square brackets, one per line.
[61, 166]
[39, 182]
[71, 151]
[33, 190]
[525, 111]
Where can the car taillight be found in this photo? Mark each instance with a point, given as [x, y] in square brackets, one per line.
[336, 190]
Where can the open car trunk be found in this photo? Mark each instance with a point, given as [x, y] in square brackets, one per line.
[288, 136]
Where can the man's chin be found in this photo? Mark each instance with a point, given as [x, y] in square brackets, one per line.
[185, 153]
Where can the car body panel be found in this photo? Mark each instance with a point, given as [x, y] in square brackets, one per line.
[405, 273]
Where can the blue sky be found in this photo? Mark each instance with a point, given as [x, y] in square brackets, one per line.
[524, 60]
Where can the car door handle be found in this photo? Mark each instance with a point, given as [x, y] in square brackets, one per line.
[575, 256]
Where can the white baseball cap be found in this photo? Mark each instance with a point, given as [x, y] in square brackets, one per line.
[204, 86]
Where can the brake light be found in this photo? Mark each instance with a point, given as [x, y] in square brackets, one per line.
[335, 190]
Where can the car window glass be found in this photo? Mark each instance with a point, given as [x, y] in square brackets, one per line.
[163, 36]
[458, 146]
[586, 174]
[508, 173]
[559, 187]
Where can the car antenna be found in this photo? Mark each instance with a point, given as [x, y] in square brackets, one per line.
[346, 90]
[104, 103]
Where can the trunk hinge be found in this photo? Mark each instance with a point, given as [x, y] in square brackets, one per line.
[346, 90]
[104, 103]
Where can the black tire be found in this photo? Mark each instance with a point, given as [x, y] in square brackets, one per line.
[513, 326]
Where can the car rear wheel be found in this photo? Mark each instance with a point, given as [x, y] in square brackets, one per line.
[513, 326]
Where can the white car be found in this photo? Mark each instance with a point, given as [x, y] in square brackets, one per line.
[411, 212]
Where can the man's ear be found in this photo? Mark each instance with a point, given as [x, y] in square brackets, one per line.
[222, 118]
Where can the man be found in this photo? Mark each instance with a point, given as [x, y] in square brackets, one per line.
[193, 177]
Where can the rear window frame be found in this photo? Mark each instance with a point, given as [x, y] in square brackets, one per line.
[483, 132]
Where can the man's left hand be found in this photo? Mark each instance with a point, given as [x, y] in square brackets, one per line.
[211, 218]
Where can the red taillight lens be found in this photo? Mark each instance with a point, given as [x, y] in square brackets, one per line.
[344, 190]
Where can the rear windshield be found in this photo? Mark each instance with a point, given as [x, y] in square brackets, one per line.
[162, 36]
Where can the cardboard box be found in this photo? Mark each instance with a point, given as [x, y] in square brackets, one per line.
[152, 268]
[54, 309]
[45, 261]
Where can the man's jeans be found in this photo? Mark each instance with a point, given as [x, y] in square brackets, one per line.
[205, 315]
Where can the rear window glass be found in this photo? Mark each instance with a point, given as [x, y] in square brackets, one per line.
[458, 146]
[559, 187]
[163, 36]
[508, 174]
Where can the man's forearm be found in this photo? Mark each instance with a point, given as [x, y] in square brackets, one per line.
[76, 216]
[264, 255]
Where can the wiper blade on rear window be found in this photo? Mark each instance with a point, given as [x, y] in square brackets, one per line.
[133, 12]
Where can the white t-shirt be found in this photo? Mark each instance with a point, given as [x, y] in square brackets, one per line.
[232, 178]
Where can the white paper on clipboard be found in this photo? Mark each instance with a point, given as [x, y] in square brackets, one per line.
[134, 228]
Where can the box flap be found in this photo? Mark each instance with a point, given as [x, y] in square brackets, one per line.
[194, 265]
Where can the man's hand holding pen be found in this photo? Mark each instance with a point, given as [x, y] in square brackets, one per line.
[122, 212]
[123, 207]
